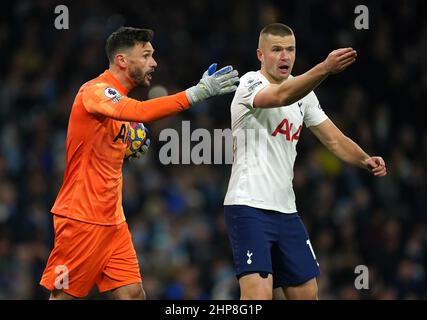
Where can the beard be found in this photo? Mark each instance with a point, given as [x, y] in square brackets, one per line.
[138, 77]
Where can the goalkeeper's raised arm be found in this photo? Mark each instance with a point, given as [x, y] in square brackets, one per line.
[131, 65]
[121, 107]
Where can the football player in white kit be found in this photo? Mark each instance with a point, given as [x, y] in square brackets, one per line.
[271, 248]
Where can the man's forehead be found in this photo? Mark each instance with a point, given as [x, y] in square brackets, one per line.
[139, 49]
[147, 46]
[282, 41]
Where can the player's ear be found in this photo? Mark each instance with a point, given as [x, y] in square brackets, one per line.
[259, 54]
[120, 60]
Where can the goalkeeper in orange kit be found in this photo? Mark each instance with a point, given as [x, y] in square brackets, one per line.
[92, 240]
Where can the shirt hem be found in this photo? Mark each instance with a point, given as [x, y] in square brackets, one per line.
[260, 206]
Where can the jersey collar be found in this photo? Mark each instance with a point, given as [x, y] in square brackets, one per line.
[109, 77]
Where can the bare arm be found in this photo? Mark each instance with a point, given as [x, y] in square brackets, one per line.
[346, 149]
[294, 89]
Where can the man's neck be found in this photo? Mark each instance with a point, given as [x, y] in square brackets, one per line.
[121, 77]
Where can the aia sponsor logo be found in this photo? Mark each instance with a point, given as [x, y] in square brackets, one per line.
[285, 128]
[122, 135]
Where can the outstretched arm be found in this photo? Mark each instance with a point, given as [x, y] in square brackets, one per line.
[102, 99]
[346, 149]
[294, 89]
[127, 109]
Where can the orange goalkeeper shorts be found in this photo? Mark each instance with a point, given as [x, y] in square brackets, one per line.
[86, 254]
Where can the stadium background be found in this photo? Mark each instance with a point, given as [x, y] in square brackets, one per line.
[175, 212]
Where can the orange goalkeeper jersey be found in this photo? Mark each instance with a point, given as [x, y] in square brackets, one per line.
[96, 142]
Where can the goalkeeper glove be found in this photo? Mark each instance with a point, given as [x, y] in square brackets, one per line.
[213, 83]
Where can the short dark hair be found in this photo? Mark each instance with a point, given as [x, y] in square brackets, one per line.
[277, 29]
[126, 37]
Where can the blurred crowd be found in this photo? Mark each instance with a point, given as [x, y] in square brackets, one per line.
[175, 212]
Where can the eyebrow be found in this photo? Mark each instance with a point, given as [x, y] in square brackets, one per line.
[281, 46]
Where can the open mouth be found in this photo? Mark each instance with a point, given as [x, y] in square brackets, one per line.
[284, 68]
[149, 74]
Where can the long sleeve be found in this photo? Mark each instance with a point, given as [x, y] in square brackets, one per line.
[104, 100]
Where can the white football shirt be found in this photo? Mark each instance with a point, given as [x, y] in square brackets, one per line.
[264, 146]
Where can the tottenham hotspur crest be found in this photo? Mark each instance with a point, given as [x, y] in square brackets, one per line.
[249, 254]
